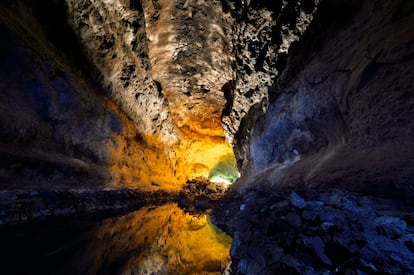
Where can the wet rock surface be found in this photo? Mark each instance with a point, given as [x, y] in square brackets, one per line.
[21, 207]
[199, 195]
[317, 232]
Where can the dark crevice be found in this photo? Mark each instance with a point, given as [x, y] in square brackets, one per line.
[52, 16]
[228, 91]
[409, 245]
[135, 5]
[260, 60]
[241, 138]
[159, 88]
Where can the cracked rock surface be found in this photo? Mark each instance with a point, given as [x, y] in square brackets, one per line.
[345, 108]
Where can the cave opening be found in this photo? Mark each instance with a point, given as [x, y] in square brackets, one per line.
[225, 170]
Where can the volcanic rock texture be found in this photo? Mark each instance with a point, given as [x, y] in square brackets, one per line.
[328, 184]
[344, 114]
[57, 130]
[324, 232]
[178, 61]
[148, 94]
[142, 94]
[189, 72]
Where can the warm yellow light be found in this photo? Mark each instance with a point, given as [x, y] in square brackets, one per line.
[161, 240]
[224, 171]
[148, 163]
[201, 157]
[218, 179]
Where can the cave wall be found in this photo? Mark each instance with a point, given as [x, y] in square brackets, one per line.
[261, 35]
[344, 114]
[57, 130]
[168, 63]
[194, 74]
[159, 62]
[178, 85]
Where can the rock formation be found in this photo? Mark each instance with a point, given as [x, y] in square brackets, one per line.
[310, 102]
[189, 72]
[57, 128]
[342, 119]
[190, 76]
[345, 107]
[324, 232]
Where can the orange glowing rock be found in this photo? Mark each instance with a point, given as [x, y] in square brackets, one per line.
[161, 240]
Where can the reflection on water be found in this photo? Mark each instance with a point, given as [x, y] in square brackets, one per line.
[161, 240]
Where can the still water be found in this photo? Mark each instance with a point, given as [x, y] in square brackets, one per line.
[152, 240]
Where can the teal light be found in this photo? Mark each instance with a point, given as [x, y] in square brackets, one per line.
[224, 171]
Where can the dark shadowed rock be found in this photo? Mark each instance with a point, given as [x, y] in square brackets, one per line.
[297, 201]
[392, 227]
[320, 238]
[316, 245]
[343, 115]
[294, 220]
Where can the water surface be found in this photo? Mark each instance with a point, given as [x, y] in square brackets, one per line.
[152, 240]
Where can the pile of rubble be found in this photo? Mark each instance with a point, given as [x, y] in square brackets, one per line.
[199, 195]
[311, 232]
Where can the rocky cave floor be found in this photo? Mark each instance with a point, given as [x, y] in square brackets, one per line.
[317, 232]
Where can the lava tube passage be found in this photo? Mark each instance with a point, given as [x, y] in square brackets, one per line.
[225, 170]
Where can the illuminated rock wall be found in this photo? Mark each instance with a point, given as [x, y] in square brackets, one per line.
[57, 130]
[164, 63]
[146, 94]
[160, 240]
[194, 74]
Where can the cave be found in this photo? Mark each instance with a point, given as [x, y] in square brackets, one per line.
[207, 137]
